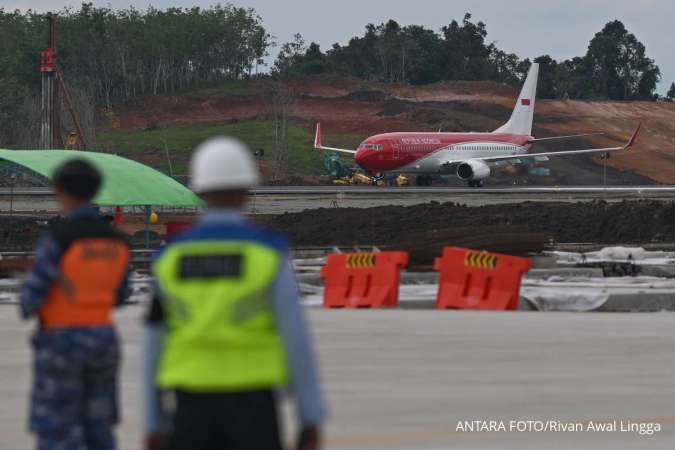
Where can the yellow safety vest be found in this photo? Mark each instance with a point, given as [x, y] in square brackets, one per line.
[222, 335]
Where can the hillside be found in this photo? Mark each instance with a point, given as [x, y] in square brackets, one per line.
[352, 109]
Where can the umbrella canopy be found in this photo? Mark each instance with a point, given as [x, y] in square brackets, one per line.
[125, 182]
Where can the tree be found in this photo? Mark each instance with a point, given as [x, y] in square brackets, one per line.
[671, 92]
[12, 112]
[393, 53]
[466, 54]
[122, 54]
[422, 49]
[281, 99]
[507, 67]
[548, 86]
[618, 67]
[572, 80]
[291, 54]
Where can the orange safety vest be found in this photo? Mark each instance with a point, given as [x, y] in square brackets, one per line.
[91, 272]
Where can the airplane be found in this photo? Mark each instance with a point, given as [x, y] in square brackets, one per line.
[468, 155]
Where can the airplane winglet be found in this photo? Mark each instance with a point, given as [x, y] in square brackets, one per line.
[633, 138]
[318, 145]
[317, 136]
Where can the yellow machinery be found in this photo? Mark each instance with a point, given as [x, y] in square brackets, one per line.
[358, 178]
[402, 180]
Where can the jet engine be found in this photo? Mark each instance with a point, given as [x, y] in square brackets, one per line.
[473, 170]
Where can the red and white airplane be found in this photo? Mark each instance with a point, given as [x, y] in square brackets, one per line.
[469, 155]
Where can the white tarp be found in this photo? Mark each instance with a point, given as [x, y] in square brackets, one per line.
[569, 299]
[636, 255]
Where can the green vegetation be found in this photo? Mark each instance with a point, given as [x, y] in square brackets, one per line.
[615, 66]
[671, 92]
[149, 145]
[112, 56]
[127, 53]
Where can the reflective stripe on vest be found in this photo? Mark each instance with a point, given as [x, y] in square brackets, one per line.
[91, 272]
[222, 333]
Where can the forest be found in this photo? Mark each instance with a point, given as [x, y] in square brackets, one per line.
[615, 67]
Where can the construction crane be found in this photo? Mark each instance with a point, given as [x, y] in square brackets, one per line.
[53, 85]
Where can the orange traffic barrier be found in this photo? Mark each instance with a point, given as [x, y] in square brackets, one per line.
[362, 280]
[479, 280]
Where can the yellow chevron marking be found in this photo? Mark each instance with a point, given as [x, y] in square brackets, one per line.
[360, 260]
[482, 260]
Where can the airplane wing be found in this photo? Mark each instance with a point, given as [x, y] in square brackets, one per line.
[555, 138]
[317, 142]
[628, 145]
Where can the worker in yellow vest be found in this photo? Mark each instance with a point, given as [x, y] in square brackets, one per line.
[225, 331]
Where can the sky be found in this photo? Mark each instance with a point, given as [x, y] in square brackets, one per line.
[529, 28]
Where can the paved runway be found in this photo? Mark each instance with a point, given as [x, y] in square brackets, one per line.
[281, 199]
[402, 380]
[415, 190]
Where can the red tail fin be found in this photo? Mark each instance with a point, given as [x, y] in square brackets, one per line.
[317, 136]
[633, 138]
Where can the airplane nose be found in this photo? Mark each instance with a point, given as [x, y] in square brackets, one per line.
[359, 157]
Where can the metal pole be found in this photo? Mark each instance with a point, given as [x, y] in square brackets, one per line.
[11, 194]
[71, 109]
[147, 226]
[55, 106]
[604, 176]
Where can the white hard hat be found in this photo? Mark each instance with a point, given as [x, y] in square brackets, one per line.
[222, 164]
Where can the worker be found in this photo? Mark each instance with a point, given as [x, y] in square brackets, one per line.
[80, 274]
[225, 331]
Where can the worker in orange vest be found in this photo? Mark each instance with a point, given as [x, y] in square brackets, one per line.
[80, 274]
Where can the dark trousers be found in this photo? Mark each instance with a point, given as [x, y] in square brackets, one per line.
[226, 421]
[74, 396]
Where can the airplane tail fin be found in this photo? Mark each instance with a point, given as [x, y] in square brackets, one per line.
[521, 118]
[317, 136]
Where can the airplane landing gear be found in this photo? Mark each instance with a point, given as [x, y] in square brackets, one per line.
[424, 180]
[375, 181]
[475, 183]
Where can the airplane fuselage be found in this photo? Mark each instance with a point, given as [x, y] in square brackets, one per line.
[432, 153]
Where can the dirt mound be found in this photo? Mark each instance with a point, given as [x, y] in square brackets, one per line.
[20, 233]
[599, 222]
[360, 108]
[367, 96]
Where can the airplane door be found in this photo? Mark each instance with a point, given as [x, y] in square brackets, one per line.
[397, 149]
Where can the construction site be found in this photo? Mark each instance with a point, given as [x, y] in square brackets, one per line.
[533, 311]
